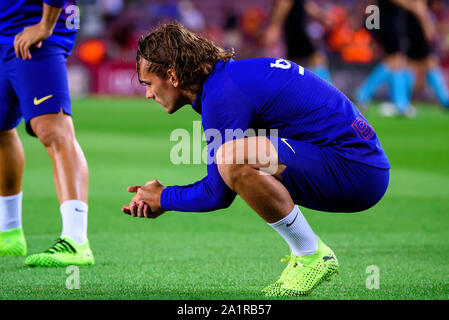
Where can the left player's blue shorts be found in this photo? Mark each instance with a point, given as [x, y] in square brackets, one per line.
[321, 179]
[30, 88]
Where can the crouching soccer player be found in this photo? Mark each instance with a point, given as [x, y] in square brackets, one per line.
[326, 156]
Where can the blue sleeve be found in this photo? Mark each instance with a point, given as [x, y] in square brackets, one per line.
[210, 193]
[55, 3]
[224, 108]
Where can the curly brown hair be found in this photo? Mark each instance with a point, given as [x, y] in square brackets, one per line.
[172, 46]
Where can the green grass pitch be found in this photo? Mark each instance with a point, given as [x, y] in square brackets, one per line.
[232, 253]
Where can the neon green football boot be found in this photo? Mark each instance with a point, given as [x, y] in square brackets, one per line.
[275, 286]
[64, 252]
[12, 243]
[306, 273]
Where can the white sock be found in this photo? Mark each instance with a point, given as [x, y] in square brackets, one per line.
[297, 232]
[11, 212]
[74, 220]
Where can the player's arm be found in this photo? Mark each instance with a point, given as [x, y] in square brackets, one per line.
[226, 108]
[153, 199]
[279, 13]
[208, 194]
[227, 113]
[35, 34]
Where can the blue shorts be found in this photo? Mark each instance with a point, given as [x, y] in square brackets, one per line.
[30, 88]
[319, 178]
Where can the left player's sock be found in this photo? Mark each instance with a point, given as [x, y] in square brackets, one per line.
[435, 79]
[64, 252]
[11, 212]
[74, 220]
[12, 239]
[297, 233]
[323, 72]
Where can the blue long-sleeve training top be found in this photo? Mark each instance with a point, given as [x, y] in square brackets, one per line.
[268, 93]
[15, 15]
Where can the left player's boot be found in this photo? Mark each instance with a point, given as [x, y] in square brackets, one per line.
[63, 253]
[307, 272]
[12, 243]
[275, 286]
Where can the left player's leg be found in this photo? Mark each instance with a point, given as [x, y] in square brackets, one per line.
[12, 161]
[42, 88]
[70, 171]
[70, 174]
[257, 179]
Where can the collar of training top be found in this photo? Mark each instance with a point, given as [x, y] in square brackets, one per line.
[197, 103]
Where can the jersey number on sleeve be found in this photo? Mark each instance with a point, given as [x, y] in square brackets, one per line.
[284, 64]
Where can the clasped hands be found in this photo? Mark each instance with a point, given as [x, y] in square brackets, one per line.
[147, 201]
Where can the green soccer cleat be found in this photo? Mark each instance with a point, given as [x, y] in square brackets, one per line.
[275, 286]
[64, 252]
[304, 273]
[12, 243]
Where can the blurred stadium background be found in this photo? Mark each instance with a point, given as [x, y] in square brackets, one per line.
[103, 61]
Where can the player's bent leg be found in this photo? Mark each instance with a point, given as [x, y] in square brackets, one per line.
[12, 239]
[251, 168]
[243, 165]
[70, 174]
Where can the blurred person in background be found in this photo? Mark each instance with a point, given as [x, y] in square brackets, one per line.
[290, 17]
[422, 35]
[36, 37]
[393, 69]
[232, 37]
[406, 34]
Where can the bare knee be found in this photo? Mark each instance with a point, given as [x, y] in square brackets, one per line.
[54, 131]
[240, 158]
[230, 162]
[6, 136]
[234, 175]
[51, 137]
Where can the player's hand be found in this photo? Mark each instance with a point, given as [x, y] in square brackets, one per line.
[147, 201]
[30, 36]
